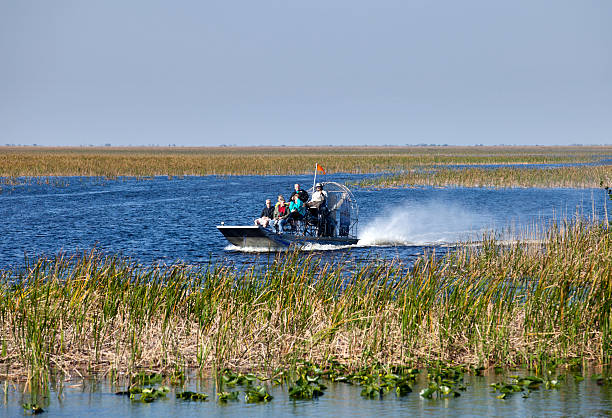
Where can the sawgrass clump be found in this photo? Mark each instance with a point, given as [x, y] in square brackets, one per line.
[577, 177]
[492, 304]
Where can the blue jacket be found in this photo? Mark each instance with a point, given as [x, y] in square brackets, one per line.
[299, 206]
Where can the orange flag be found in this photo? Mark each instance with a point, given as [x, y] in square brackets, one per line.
[319, 168]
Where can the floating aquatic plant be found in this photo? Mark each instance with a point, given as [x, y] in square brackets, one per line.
[232, 379]
[444, 381]
[224, 397]
[32, 408]
[525, 385]
[257, 394]
[307, 387]
[376, 382]
[192, 396]
[148, 395]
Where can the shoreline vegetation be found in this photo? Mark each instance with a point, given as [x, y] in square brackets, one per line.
[494, 304]
[112, 162]
[499, 177]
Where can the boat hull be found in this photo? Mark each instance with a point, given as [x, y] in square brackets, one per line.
[258, 237]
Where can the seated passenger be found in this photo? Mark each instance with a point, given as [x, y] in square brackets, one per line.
[297, 211]
[266, 215]
[302, 194]
[281, 213]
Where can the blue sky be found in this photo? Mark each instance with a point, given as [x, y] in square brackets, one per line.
[305, 73]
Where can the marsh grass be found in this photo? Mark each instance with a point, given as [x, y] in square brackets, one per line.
[172, 161]
[577, 177]
[492, 304]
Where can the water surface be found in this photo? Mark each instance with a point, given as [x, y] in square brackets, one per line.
[165, 220]
[87, 398]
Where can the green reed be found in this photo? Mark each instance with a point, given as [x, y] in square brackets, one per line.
[490, 304]
[172, 161]
[581, 177]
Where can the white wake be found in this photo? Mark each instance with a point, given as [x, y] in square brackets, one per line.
[409, 224]
[428, 224]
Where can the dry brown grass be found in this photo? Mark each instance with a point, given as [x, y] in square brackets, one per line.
[481, 305]
[112, 162]
[575, 177]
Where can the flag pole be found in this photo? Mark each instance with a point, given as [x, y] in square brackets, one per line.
[314, 182]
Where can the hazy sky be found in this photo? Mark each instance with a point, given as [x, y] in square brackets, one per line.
[305, 72]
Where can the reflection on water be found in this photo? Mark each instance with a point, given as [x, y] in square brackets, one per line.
[89, 398]
[163, 220]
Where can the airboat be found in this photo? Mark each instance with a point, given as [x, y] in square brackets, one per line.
[335, 223]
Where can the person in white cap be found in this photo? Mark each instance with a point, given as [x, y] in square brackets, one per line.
[319, 194]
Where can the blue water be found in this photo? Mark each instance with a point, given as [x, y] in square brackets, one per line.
[166, 220]
[91, 398]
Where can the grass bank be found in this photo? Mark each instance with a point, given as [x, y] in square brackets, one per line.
[577, 177]
[494, 304]
[172, 161]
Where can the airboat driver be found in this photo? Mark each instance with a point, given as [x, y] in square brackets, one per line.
[267, 214]
[317, 208]
[319, 197]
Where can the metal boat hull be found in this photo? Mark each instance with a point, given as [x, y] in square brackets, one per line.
[258, 237]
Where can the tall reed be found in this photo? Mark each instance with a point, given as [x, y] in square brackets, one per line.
[493, 304]
[580, 177]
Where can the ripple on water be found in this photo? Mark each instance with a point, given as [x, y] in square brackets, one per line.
[169, 220]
